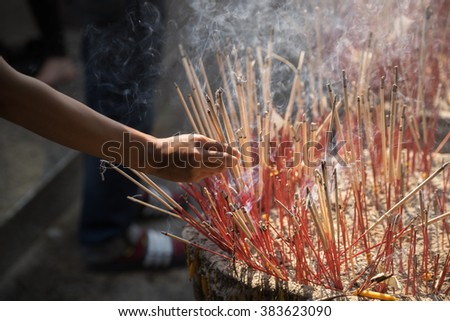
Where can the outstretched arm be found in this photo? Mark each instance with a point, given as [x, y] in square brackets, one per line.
[55, 116]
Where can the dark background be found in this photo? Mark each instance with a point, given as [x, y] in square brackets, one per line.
[40, 185]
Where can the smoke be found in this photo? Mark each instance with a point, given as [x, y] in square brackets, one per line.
[334, 34]
[122, 53]
[296, 23]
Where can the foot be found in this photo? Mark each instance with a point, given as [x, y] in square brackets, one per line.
[144, 249]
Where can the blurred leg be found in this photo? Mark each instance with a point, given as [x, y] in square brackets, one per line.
[121, 66]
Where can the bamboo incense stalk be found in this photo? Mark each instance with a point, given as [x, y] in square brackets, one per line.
[429, 222]
[338, 127]
[217, 130]
[422, 208]
[360, 143]
[248, 220]
[268, 64]
[153, 207]
[312, 130]
[318, 60]
[337, 205]
[326, 124]
[160, 191]
[215, 121]
[331, 134]
[423, 53]
[284, 207]
[273, 268]
[205, 78]
[349, 138]
[368, 111]
[331, 95]
[382, 128]
[202, 107]
[298, 148]
[267, 136]
[238, 84]
[208, 194]
[200, 101]
[442, 143]
[227, 124]
[366, 57]
[231, 107]
[143, 187]
[192, 81]
[290, 105]
[197, 115]
[312, 80]
[327, 200]
[400, 143]
[187, 110]
[403, 174]
[396, 74]
[284, 61]
[251, 91]
[219, 220]
[240, 222]
[185, 62]
[317, 223]
[243, 114]
[392, 120]
[442, 277]
[195, 245]
[230, 137]
[415, 133]
[407, 197]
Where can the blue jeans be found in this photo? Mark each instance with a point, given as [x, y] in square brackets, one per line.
[121, 65]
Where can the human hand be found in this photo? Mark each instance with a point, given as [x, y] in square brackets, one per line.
[191, 157]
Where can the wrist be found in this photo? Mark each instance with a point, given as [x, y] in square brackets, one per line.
[153, 155]
[133, 149]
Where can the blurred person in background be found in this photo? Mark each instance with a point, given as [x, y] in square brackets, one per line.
[44, 58]
[122, 45]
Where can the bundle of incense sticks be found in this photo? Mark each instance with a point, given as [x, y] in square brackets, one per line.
[327, 193]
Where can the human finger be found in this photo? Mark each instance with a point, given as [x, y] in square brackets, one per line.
[217, 160]
[215, 145]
